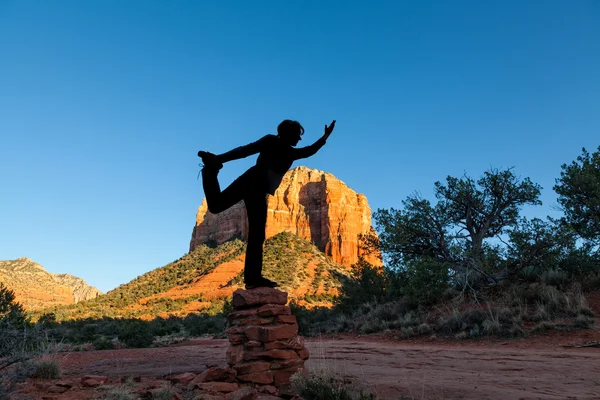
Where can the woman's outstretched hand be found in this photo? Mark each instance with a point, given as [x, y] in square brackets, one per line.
[329, 129]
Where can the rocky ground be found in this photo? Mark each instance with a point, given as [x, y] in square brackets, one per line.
[534, 368]
[555, 365]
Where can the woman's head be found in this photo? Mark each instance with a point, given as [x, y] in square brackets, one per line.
[290, 131]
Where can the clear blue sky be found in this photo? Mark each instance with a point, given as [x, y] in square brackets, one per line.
[104, 104]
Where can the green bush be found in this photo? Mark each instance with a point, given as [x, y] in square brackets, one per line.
[103, 343]
[203, 324]
[135, 333]
[165, 393]
[118, 394]
[543, 326]
[322, 384]
[427, 280]
[584, 322]
[47, 369]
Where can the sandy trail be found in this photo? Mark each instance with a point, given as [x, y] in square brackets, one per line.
[391, 369]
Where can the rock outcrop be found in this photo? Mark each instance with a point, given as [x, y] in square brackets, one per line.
[309, 203]
[81, 290]
[265, 347]
[35, 288]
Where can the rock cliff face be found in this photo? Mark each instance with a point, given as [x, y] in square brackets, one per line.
[81, 290]
[310, 203]
[36, 288]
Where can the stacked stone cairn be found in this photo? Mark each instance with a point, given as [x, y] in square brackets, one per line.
[265, 349]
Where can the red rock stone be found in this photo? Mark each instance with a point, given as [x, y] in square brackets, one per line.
[64, 383]
[184, 378]
[277, 354]
[296, 343]
[269, 389]
[102, 378]
[282, 376]
[253, 345]
[215, 374]
[269, 310]
[244, 393]
[281, 364]
[257, 297]
[251, 367]
[285, 319]
[263, 377]
[57, 389]
[216, 387]
[42, 385]
[136, 378]
[234, 354]
[94, 380]
[266, 396]
[312, 204]
[241, 323]
[240, 314]
[303, 353]
[234, 330]
[252, 355]
[205, 396]
[159, 393]
[271, 333]
[237, 338]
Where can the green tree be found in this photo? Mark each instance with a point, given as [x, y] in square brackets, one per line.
[367, 283]
[454, 230]
[11, 312]
[578, 190]
[539, 246]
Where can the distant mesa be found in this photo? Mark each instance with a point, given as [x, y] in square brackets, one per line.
[309, 203]
[35, 288]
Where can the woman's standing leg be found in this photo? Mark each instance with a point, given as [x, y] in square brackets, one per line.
[256, 207]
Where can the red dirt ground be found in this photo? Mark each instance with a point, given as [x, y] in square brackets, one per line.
[537, 367]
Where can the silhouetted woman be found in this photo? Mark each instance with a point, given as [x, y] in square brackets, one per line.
[276, 155]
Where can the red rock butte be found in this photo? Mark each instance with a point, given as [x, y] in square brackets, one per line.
[309, 203]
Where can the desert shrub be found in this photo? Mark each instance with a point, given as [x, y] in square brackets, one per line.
[367, 284]
[584, 322]
[322, 384]
[474, 331]
[543, 326]
[529, 274]
[585, 310]
[117, 393]
[202, 324]
[165, 326]
[47, 369]
[500, 322]
[319, 320]
[165, 393]
[451, 323]
[424, 329]
[408, 332]
[134, 333]
[372, 326]
[462, 335]
[103, 343]
[554, 277]
[541, 313]
[474, 317]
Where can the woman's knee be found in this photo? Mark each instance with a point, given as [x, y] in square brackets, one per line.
[215, 208]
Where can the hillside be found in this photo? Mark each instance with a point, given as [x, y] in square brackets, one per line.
[204, 278]
[35, 288]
